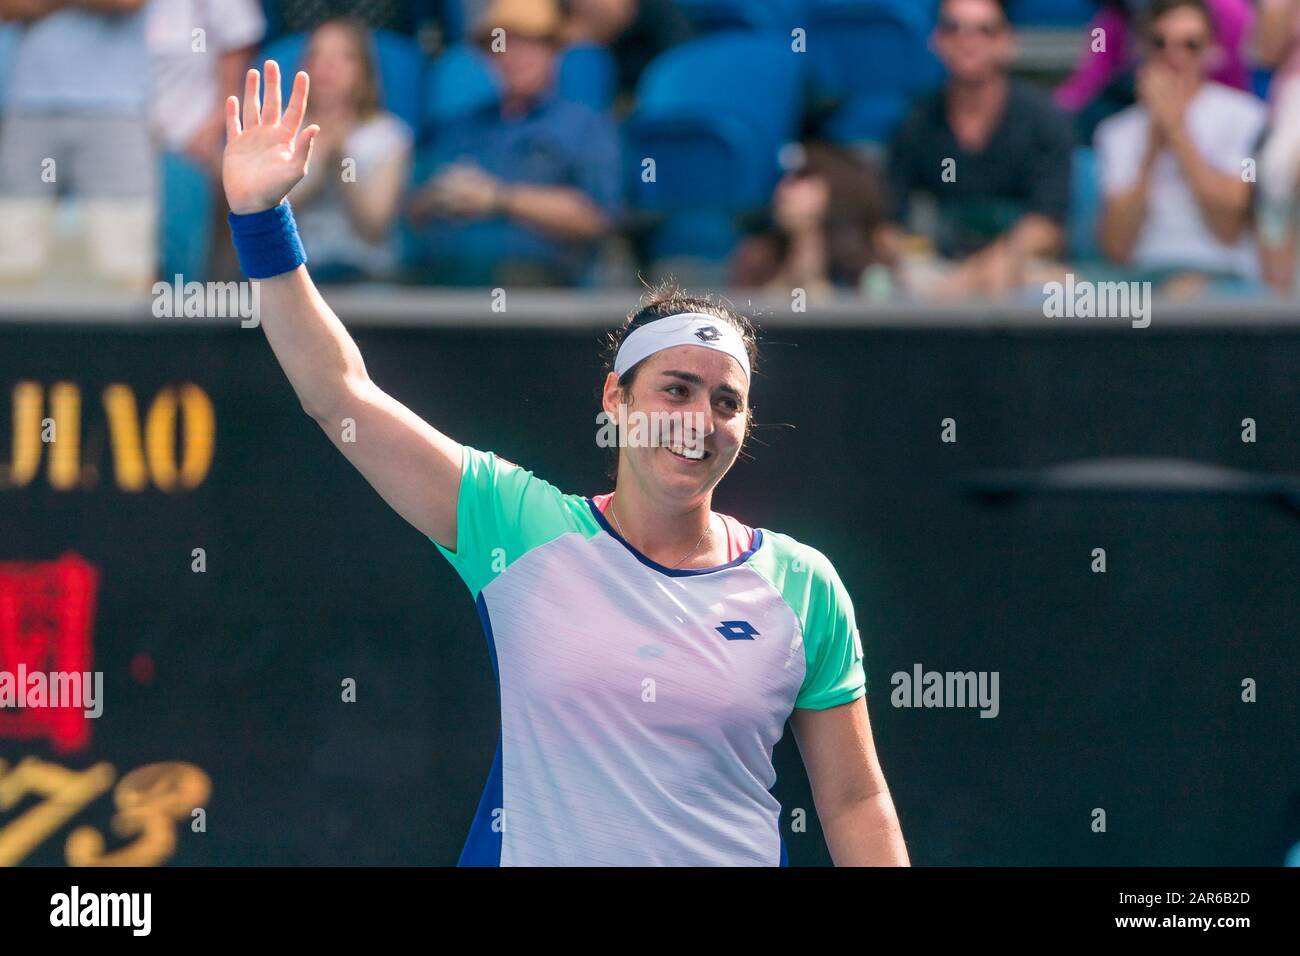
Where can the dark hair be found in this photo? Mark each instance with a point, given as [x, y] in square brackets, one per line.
[1003, 5]
[660, 301]
[1159, 8]
[856, 208]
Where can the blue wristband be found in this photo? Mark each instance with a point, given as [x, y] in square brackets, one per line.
[267, 242]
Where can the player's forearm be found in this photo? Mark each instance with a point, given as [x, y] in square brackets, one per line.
[865, 833]
[312, 346]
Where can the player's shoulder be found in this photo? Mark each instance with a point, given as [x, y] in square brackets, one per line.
[511, 480]
[805, 578]
[790, 555]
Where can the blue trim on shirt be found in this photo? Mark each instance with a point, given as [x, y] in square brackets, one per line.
[673, 572]
[483, 845]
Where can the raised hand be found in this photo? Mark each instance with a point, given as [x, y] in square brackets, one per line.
[266, 154]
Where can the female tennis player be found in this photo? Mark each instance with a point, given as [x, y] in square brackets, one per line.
[648, 651]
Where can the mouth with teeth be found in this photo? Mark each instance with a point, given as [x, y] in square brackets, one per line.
[694, 456]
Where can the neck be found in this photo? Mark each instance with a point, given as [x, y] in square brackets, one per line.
[665, 531]
[983, 94]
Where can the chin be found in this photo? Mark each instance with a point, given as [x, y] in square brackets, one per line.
[688, 483]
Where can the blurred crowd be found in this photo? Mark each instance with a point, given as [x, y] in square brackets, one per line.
[887, 148]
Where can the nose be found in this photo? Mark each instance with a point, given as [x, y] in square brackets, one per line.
[697, 423]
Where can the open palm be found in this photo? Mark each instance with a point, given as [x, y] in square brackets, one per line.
[266, 154]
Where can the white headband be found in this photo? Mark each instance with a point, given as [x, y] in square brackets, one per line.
[688, 328]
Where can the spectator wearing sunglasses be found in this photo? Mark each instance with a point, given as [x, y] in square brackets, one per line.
[1102, 82]
[980, 171]
[1173, 166]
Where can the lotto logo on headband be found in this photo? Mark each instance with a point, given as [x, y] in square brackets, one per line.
[688, 328]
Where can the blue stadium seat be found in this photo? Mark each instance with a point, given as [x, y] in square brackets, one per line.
[1261, 81]
[400, 62]
[1052, 13]
[713, 114]
[708, 235]
[453, 20]
[866, 118]
[1085, 205]
[449, 15]
[870, 46]
[401, 75]
[744, 14]
[8, 39]
[461, 82]
[588, 75]
[185, 220]
[288, 51]
[458, 83]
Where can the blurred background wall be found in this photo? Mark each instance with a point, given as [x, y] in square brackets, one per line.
[1120, 690]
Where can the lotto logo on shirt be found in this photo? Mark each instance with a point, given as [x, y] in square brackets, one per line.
[737, 630]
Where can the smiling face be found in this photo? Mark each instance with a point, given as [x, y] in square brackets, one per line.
[689, 384]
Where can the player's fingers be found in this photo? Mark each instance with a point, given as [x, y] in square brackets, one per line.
[302, 147]
[297, 107]
[232, 117]
[271, 96]
[252, 82]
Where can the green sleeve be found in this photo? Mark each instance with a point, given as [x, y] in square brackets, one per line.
[832, 645]
[834, 673]
[503, 512]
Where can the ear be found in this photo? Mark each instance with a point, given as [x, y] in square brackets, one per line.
[612, 394]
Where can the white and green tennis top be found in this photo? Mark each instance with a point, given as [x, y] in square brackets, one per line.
[639, 704]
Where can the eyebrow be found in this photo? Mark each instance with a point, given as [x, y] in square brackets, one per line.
[696, 380]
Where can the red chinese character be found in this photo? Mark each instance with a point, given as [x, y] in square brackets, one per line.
[46, 612]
